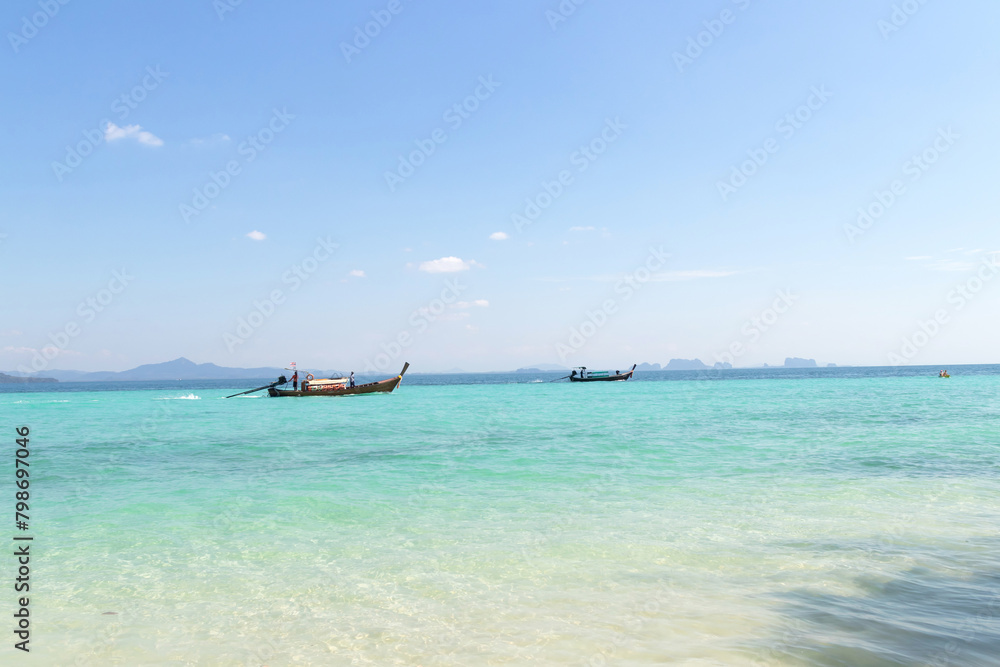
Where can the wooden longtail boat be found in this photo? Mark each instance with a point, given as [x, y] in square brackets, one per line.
[581, 374]
[340, 387]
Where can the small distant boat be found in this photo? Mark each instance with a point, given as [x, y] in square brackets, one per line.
[581, 374]
[329, 386]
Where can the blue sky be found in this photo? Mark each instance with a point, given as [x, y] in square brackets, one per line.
[161, 96]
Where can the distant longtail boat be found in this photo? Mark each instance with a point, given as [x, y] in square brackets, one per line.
[581, 374]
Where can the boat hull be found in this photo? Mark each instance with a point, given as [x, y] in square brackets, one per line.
[380, 387]
[620, 377]
[610, 378]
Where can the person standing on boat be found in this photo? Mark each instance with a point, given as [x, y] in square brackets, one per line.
[295, 380]
[352, 378]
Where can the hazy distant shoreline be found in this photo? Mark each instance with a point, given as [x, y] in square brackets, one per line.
[15, 379]
[185, 369]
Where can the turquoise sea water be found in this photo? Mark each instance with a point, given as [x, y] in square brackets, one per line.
[843, 517]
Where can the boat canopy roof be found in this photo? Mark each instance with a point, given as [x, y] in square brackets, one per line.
[330, 381]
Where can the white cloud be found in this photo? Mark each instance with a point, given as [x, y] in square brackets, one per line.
[951, 265]
[447, 317]
[674, 276]
[917, 258]
[113, 133]
[582, 229]
[478, 303]
[447, 265]
[499, 236]
[666, 276]
[214, 140]
[257, 236]
[357, 273]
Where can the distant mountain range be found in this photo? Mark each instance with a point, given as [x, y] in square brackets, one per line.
[796, 362]
[184, 369]
[16, 379]
[178, 369]
[683, 365]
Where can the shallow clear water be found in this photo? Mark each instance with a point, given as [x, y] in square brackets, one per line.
[849, 517]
